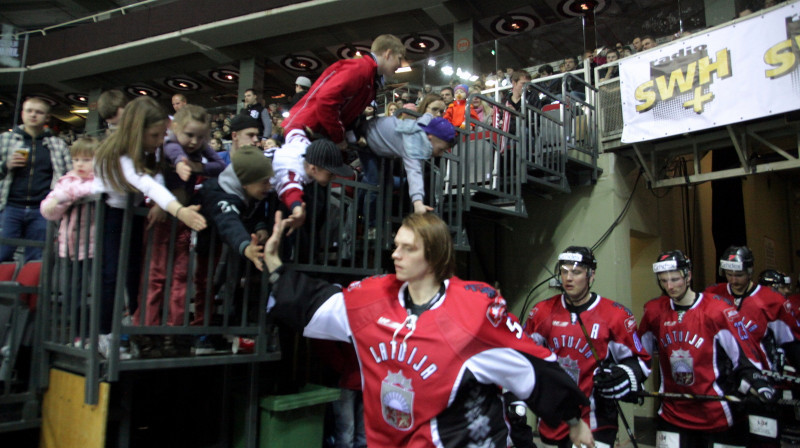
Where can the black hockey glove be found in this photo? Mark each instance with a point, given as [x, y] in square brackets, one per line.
[516, 409]
[616, 382]
[516, 412]
[758, 384]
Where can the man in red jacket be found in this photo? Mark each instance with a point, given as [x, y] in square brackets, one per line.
[332, 103]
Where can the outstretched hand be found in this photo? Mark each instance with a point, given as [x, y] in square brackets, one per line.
[255, 252]
[297, 218]
[273, 245]
[191, 216]
[580, 435]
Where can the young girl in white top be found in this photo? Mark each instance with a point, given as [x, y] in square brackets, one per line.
[126, 163]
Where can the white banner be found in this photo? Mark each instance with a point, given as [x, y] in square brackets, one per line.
[743, 71]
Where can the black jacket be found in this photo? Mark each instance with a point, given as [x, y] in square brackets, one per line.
[230, 212]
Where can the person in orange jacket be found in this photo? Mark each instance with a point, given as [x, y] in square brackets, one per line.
[456, 111]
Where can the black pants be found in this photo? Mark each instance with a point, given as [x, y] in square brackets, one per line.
[112, 244]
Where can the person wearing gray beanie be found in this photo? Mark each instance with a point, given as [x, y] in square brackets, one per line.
[235, 203]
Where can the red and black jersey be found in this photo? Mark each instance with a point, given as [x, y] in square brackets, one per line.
[432, 380]
[696, 348]
[763, 311]
[612, 329]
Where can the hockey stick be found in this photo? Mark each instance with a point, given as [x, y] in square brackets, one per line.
[597, 360]
[728, 398]
[781, 376]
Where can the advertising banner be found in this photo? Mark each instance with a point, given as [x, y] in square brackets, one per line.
[741, 72]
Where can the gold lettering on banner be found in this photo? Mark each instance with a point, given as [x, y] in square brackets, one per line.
[783, 56]
[689, 78]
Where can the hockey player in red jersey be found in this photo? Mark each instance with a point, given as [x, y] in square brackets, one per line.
[767, 315]
[432, 348]
[554, 323]
[768, 318]
[703, 349]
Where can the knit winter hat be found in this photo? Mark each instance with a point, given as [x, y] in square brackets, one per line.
[251, 165]
[462, 87]
[303, 81]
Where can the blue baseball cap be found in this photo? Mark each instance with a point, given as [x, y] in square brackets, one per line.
[442, 129]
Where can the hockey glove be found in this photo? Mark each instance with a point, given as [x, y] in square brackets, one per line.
[516, 412]
[616, 382]
[755, 382]
[516, 409]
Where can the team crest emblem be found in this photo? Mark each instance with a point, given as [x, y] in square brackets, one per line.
[497, 312]
[682, 367]
[571, 367]
[397, 401]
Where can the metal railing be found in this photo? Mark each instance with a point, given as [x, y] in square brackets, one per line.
[72, 298]
[20, 399]
[580, 125]
[491, 169]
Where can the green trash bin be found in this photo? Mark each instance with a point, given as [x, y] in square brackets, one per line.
[288, 421]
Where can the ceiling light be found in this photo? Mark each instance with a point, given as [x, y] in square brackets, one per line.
[79, 111]
[447, 70]
[403, 70]
[431, 62]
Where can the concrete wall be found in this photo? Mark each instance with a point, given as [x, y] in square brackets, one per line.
[767, 221]
[530, 246]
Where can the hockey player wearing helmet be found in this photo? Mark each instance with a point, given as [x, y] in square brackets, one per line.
[768, 319]
[702, 352]
[778, 281]
[623, 365]
[765, 313]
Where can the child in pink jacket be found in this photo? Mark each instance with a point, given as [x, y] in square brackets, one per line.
[69, 188]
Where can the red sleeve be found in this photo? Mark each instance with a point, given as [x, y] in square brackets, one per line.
[290, 192]
[532, 322]
[733, 321]
[342, 84]
[625, 333]
[448, 113]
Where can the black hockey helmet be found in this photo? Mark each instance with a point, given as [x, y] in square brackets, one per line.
[577, 255]
[672, 260]
[736, 258]
[771, 277]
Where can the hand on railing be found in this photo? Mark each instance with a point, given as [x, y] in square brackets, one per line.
[255, 252]
[49, 206]
[421, 209]
[183, 170]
